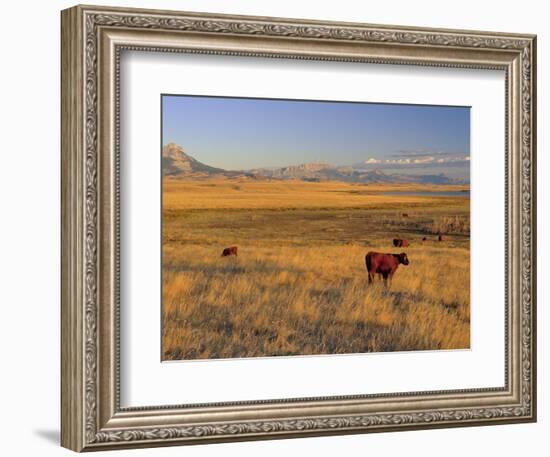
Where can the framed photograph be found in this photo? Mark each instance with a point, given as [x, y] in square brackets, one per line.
[274, 228]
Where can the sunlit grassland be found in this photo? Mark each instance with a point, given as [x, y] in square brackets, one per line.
[276, 194]
[299, 284]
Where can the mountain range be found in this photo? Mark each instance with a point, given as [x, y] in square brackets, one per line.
[177, 163]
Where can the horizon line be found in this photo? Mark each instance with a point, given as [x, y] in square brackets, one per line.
[388, 165]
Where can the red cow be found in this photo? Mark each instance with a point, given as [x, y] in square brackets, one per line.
[399, 243]
[384, 265]
[230, 251]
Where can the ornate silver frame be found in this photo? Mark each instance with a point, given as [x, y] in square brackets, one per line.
[92, 40]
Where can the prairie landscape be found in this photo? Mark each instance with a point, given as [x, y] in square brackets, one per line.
[299, 284]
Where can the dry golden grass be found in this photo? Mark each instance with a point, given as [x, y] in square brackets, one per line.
[232, 193]
[297, 287]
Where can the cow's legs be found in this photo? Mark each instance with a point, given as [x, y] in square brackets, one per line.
[385, 275]
[371, 277]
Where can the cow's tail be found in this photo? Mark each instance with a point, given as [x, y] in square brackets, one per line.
[367, 261]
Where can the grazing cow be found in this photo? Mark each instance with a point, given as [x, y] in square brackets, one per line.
[399, 243]
[440, 238]
[230, 251]
[424, 239]
[405, 215]
[384, 265]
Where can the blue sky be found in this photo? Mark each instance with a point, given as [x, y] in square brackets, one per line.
[240, 133]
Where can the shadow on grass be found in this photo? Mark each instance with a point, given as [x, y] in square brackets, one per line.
[231, 266]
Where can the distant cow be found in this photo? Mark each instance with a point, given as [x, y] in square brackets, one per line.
[384, 265]
[230, 251]
[405, 215]
[350, 243]
[399, 243]
[440, 238]
[424, 239]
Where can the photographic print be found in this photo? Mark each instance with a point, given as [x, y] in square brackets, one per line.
[305, 227]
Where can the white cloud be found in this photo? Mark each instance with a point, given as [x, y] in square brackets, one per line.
[419, 159]
[372, 160]
[424, 160]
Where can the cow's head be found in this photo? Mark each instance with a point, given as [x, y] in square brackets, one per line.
[403, 258]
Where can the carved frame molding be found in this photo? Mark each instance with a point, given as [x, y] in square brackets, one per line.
[92, 40]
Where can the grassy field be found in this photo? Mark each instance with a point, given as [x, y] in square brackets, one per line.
[299, 284]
